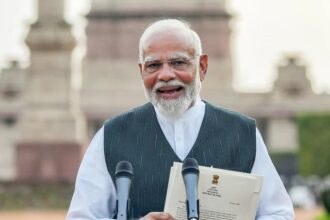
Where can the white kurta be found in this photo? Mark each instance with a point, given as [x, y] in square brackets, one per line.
[95, 194]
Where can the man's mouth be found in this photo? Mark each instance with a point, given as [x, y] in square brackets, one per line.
[169, 89]
[170, 92]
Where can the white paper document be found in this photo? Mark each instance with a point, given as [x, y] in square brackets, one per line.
[223, 194]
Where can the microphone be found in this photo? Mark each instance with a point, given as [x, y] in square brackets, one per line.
[123, 178]
[190, 174]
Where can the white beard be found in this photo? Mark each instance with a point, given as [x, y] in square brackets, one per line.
[175, 107]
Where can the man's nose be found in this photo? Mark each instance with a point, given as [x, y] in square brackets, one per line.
[166, 73]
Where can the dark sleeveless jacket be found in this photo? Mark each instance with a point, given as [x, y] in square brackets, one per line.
[226, 140]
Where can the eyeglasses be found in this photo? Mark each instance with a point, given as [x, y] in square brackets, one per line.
[179, 64]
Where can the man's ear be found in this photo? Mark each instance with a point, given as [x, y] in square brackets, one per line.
[203, 64]
[140, 68]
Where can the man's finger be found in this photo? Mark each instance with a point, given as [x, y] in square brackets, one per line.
[158, 216]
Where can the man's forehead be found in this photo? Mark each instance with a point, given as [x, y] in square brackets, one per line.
[152, 57]
[168, 46]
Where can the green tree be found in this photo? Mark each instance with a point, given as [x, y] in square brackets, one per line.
[314, 141]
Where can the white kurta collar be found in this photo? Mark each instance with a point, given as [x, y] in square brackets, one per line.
[181, 132]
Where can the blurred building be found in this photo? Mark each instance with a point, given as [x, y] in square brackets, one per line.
[45, 120]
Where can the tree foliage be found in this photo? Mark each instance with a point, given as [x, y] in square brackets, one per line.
[314, 141]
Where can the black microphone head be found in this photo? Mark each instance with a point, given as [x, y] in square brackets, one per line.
[124, 169]
[190, 165]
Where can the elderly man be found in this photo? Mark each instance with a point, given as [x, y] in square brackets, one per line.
[175, 124]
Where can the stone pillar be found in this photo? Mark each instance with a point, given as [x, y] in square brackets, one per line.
[50, 10]
[282, 134]
[8, 136]
[11, 83]
[50, 124]
[292, 80]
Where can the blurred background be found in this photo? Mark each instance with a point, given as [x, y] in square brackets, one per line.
[66, 66]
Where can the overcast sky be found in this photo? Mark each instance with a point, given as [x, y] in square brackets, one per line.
[263, 32]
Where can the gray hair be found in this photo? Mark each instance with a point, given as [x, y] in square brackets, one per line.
[165, 24]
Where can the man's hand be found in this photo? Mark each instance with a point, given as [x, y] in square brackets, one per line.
[157, 216]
